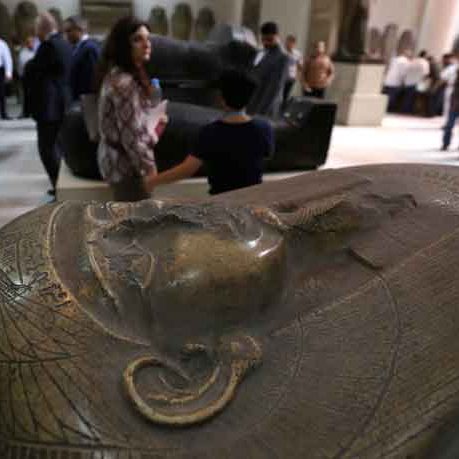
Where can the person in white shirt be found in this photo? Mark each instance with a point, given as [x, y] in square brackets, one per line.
[6, 74]
[26, 54]
[296, 60]
[417, 71]
[395, 77]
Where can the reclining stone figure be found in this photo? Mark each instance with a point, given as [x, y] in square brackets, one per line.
[311, 318]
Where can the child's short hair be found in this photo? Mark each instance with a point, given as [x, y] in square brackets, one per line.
[237, 88]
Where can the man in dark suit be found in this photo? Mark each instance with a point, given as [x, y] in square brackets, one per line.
[49, 74]
[272, 71]
[86, 52]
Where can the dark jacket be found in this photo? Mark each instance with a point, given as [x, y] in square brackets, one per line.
[84, 60]
[271, 74]
[48, 74]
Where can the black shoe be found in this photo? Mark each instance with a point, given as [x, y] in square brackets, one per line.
[6, 118]
[51, 192]
[444, 148]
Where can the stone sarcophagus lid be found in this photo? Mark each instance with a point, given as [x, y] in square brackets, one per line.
[312, 318]
[102, 14]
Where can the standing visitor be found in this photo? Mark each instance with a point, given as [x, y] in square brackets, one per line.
[126, 157]
[271, 72]
[395, 79]
[48, 73]
[233, 148]
[6, 74]
[318, 72]
[295, 67]
[86, 52]
[416, 75]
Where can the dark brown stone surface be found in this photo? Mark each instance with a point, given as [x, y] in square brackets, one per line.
[311, 318]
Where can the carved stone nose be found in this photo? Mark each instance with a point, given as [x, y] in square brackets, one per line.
[213, 283]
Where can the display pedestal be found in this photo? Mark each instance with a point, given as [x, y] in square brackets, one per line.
[357, 91]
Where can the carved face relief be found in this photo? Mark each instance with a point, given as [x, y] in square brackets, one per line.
[187, 284]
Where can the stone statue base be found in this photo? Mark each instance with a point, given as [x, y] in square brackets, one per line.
[357, 91]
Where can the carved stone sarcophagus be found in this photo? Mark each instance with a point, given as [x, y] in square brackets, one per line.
[302, 137]
[315, 317]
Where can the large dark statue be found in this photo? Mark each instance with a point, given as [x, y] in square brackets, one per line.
[353, 30]
[188, 69]
[303, 137]
[311, 318]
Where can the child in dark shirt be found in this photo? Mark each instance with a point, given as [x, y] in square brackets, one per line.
[232, 148]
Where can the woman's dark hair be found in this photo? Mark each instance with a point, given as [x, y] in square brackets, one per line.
[117, 52]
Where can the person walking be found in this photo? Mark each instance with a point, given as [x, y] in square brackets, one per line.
[49, 73]
[318, 72]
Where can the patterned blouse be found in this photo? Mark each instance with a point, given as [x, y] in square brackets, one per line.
[126, 144]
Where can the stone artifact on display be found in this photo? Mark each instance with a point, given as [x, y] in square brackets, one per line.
[352, 36]
[375, 43]
[158, 21]
[406, 42]
[57, 15]
[390, 39]
[187, 71]
[25, 16]
[302, 135]
[182, 22]
[315, 317]
[102, 14]
[204, 24]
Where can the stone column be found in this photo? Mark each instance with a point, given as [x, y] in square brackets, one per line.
[439, 27]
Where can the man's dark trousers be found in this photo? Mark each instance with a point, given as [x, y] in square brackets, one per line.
[48, 147]
[48, 73]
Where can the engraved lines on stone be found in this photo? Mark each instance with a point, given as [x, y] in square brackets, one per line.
[390, 371]
[23, 352]
[21, 451]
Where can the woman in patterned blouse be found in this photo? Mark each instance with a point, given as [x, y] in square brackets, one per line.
[126, 157]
